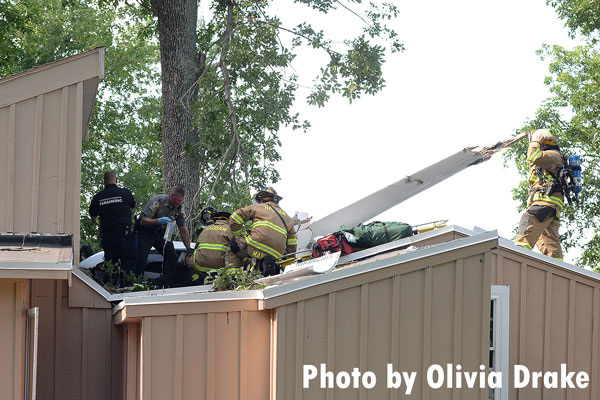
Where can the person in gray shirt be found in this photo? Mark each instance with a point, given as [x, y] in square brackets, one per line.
[160, 210]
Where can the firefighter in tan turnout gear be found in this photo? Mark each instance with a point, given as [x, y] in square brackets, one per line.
[212, 243]
[271, 234]
[539, 223]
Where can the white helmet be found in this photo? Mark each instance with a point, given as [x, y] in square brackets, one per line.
[543, 136]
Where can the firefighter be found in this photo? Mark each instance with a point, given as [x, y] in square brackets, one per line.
[113, 205]
[271, 234]
[212, 243]
[539, 223]
[158, 212]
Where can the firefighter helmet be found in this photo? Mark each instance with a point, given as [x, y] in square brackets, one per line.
[267, 193]
[221, 215]
[544, 136]
[207, 215]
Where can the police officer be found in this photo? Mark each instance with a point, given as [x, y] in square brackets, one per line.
[539, 223]
[113, 205]
[160, 210]
[272, 232]
[212, 243]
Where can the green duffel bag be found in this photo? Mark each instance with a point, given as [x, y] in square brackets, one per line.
[376, 233]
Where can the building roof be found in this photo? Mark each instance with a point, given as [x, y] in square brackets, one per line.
[352, 265]
[36, 256]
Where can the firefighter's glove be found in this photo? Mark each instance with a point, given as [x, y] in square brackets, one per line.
[189, 252]
[164, 220]
[234, 246]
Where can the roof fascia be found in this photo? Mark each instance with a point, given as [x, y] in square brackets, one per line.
[490, 238]
[49, 77]
[509, 245]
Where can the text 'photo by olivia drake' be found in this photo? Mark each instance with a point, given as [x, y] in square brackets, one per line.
[437, 377]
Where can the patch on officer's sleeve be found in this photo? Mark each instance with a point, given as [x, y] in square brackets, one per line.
[153, 206]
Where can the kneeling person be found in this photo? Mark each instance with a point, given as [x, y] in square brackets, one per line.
[212, 243]
[272, 232]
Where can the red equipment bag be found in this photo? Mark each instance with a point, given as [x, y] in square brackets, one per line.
[332, 243]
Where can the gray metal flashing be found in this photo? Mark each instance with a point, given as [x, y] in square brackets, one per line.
[350, 270]
[162, 292]
[509, 245]
[92, 283]
[397, 244]
[189, 298]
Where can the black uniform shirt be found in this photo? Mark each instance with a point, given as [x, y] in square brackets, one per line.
[113, 205]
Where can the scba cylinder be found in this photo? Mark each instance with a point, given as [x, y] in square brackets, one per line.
[575, 164]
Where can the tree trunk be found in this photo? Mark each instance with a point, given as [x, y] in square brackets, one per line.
[180, 67]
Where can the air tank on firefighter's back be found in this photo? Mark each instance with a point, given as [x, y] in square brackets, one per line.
[575, 164]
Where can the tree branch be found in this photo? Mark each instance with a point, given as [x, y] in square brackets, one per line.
[353, 12]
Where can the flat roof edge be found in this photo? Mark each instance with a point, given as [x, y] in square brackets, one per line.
[349, 271]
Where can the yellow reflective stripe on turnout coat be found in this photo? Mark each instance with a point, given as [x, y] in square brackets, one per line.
[268, 233]
[211, 246]
[549, 161]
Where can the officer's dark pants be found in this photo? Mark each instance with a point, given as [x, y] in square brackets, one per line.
[119, 246]
[148, 239]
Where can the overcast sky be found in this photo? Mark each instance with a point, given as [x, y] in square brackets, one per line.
[469, 77]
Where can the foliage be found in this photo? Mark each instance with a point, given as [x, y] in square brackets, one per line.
[245, 93]
[115, 280]
[573, 113]
[578, 15]
[234, 279]
[123, 132]
[247, 87]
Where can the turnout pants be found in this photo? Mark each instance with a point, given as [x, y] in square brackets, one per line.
[148, 239]
[119, 247]
[539, 227]
[236, 260]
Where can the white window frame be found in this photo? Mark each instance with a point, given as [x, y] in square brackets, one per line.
[501, 295]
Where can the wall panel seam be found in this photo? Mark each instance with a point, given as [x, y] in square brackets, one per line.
[147, 358]
[84, 347]
[299, 350]
[178, 376]
[58, 338]
[62, 160]
[331, 298]
[595, 338]
[243, 366]
[458, 318]
[547, 327]
[427, 293]
[210, 356]
[281, 353]
[364, 335]
[35, 183]
[10, 190]
[18, 341]
[571, 331]
[395, 332]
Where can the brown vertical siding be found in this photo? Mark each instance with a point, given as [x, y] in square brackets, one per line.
[554, 317]
[202, 355]
[13, 307]
[45, 138]
[44, 114]
[80, 350]
[431, 311]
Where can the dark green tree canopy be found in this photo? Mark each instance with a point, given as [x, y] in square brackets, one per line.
[214, 125]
